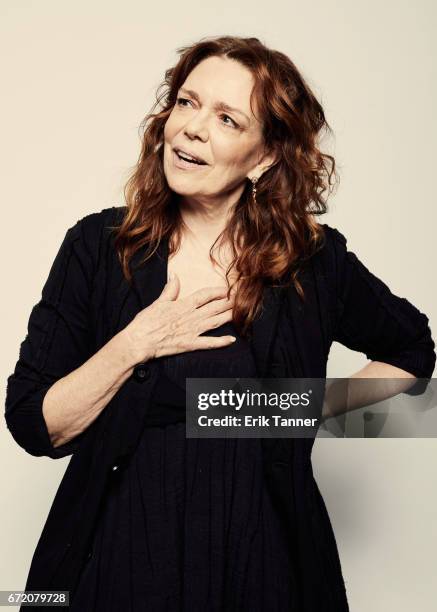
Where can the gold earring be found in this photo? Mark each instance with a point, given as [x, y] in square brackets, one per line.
[254, 182]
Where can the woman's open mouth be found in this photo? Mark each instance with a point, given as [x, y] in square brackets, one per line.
[180, 162]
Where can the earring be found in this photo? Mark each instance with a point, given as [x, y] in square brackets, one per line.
[254, 182]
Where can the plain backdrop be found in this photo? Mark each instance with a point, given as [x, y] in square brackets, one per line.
[78, 77]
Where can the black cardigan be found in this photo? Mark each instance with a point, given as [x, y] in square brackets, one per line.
[86, 301]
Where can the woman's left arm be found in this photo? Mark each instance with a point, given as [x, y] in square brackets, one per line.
[388, 329]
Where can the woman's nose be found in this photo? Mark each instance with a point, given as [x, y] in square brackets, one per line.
[197, 126]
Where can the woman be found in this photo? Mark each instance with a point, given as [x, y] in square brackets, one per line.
[146, 518]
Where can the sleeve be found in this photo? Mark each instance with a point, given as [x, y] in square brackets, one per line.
[373, 320]
[59, 339]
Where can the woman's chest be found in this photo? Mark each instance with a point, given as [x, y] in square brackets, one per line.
[303, 326]
[195, 270]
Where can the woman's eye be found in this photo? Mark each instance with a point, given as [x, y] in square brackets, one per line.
[233, 122]
[180, 102]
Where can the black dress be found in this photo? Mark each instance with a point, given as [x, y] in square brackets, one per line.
[189, 525]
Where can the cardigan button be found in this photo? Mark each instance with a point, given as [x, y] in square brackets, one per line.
[141, 372]
[120, 464]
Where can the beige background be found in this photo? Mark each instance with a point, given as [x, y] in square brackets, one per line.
[77, 79]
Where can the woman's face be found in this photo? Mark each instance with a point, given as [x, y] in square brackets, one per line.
[229, 141]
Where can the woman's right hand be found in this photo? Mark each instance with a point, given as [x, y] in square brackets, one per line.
[170, 326]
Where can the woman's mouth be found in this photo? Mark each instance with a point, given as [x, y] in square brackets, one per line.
[179, 162]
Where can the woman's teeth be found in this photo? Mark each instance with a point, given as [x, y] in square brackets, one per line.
[193, 161]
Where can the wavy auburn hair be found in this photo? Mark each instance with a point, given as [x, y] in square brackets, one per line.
[275, 234]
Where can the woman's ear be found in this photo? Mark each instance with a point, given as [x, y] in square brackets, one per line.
[267, 160]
